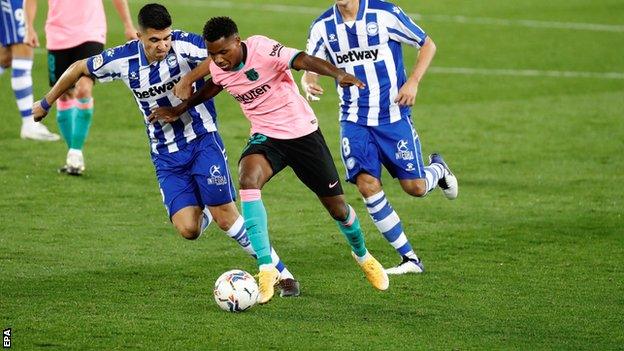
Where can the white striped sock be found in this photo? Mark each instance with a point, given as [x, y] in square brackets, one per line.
[21, 82]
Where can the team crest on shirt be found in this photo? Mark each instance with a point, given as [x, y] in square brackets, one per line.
[350, 163]
[403, 151]
[372, 28]
[171, 60]
[252, 75]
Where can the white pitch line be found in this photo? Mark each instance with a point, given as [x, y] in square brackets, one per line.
[525, 73]
[290, 9]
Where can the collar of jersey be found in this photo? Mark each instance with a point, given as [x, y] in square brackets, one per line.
[242, 63]
[143, 58]
[359, 16]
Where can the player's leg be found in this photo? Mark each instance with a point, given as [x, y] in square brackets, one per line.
[362, 157]
[415, 178]
[214, 182]
[259, 161]
[84, 104]
[21, 82]
[5, 59]
[229, 220]
[322, 178]
[77, 113]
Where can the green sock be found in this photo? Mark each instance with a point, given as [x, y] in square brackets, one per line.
[82, 124]
[257, 229]
[66, 119]
[350, 227]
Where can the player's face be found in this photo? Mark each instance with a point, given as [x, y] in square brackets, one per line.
[156, 43]
[226, 53]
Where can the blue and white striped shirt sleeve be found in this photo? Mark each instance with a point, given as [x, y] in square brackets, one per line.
[316, 43]
[402, 28]
[104, 67]
[190, 46]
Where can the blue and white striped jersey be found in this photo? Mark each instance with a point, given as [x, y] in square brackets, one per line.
[370, 49]
[152, 86]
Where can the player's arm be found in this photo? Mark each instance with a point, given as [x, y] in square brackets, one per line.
[30, 11]
[306, 62]
[67, 81]
[171, 114]
[184, 88]
[407, 93]
[124, 14]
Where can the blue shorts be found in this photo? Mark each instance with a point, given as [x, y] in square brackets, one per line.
[12, 22]
[395, 146]
[197, 175]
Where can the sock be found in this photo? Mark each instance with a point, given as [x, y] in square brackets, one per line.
[205, 220]
[66, 114]
[238, 232]
[82, 123]
[21, 82]
[389, 224]
[350, 227]
[2, 69]
[433, 173]
[256, 224]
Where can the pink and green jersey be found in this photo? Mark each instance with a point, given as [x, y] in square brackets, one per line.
[266, 90]
[73, 22]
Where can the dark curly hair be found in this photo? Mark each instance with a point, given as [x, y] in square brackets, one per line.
[154, 16]
[219, 27]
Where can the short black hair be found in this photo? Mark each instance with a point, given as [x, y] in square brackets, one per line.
[154, 16]
[219, 27]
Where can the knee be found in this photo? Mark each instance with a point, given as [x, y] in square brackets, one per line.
[188, 231]
[417, 188]
[368, 185]
[249, 181]
[337, 207]
[5, 61]
[83, 91]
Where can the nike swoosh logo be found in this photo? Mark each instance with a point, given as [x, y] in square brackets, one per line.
[331, 185]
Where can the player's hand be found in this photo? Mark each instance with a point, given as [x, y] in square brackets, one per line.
[312, 91]
[38, 112]
[183, 89]
[131, 33]
[164, 114]
[347, 80]
[407, 94]
[32, 39]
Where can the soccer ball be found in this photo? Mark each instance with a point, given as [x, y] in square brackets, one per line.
[236, 291]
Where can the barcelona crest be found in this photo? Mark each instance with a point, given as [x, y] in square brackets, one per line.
[252, 75]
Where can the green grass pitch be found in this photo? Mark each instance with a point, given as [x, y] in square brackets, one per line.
[528, 257]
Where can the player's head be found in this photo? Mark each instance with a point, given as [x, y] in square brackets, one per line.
[155, 31]
[223, 42]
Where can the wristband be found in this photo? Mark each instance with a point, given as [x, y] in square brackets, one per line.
[44, 104]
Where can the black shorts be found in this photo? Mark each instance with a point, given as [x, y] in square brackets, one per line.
[60, 60]
[308, 156]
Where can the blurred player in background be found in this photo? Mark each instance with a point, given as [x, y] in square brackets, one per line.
[75, 29]
[188, 154]
[16, 54]
[364, 38]
[285, 133]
